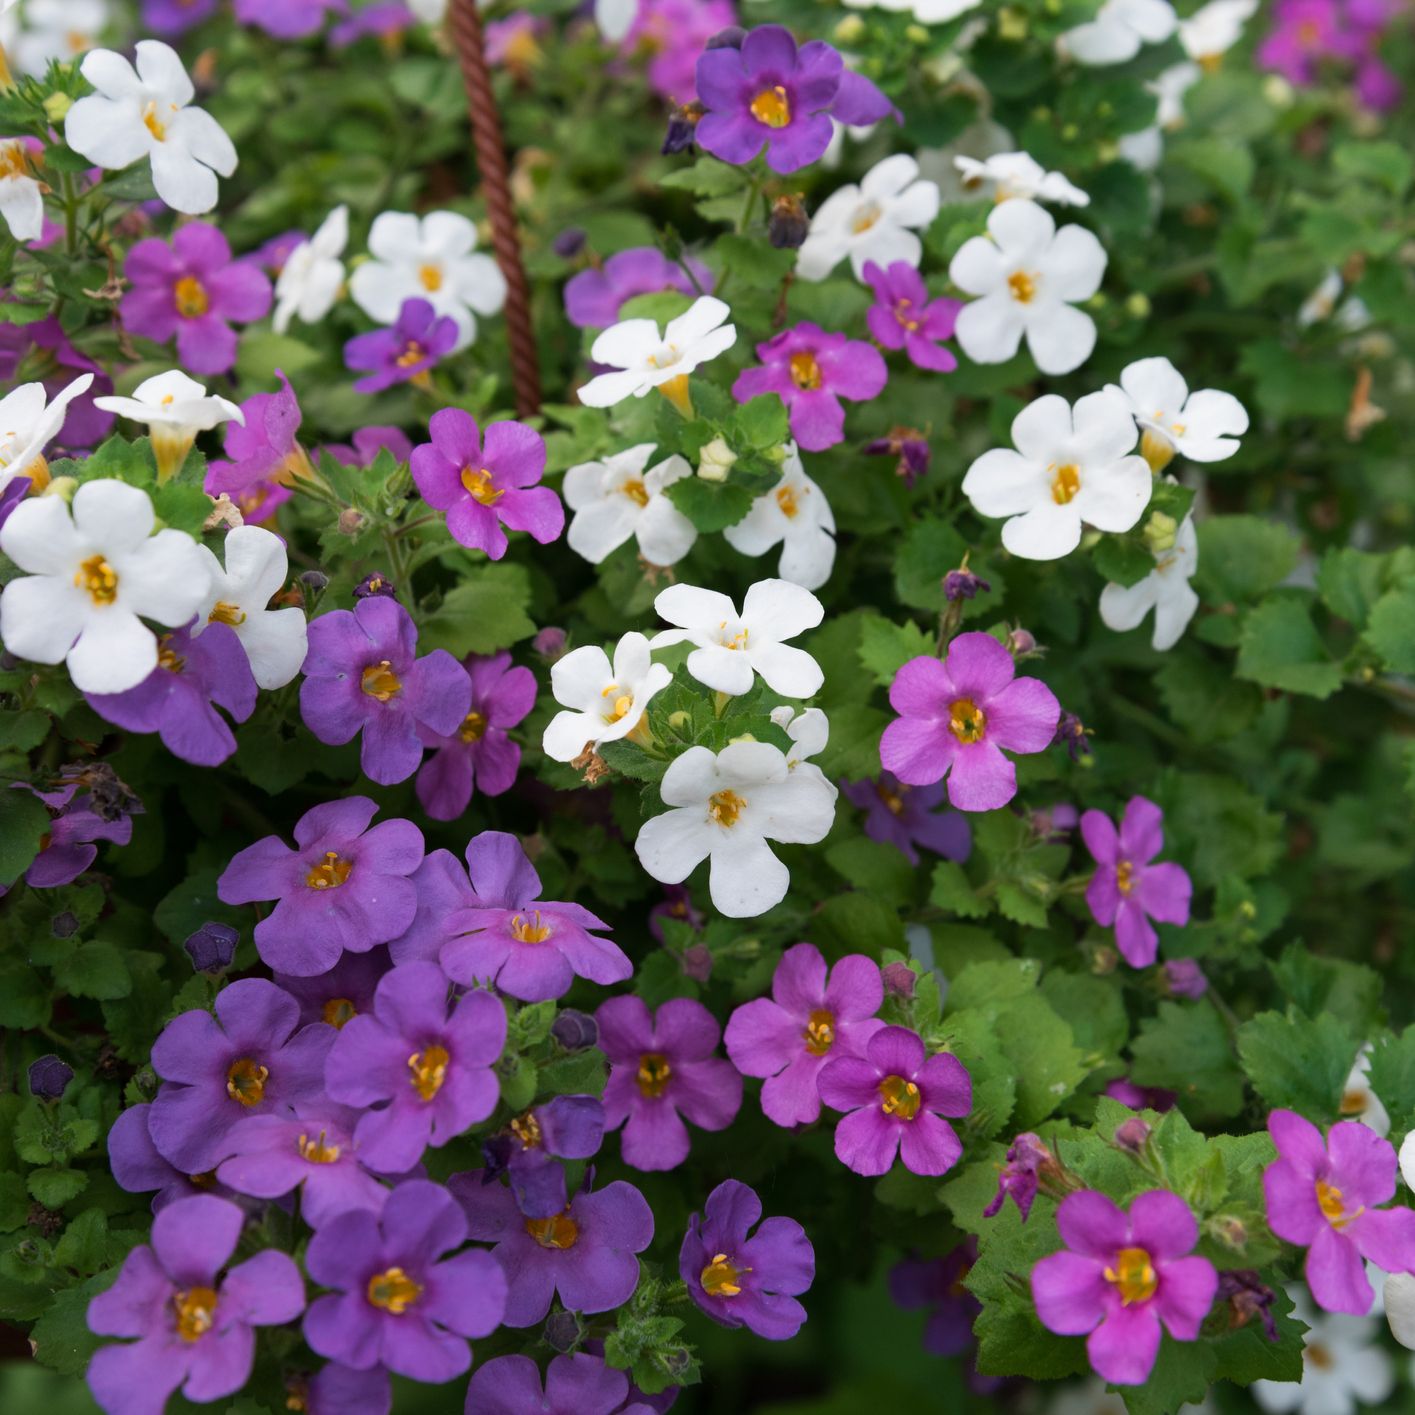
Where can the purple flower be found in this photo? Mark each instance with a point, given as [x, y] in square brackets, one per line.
[903, 316]
[676, 904]
[1020, 1177]
[1377, 87]
[375, 583]
[574, 1385]
[140, 1169]
[811, 371]
[343, 992]
[956, 716]
[384, 19]
[265, 454]
[271, 256]
[904, 816]
[1121, 1276]
[1305, 33]
[937, 1284]
[567, 1127]
[673, 33]
[1136, 1097]
[428, 1061]
[340, 1390]
[344, 886]
[1055, 823]
[482, 488]
[67, 847]
[84, 425]
[585, 1253]
[194, 290]
[661, 1068]
[179, 698]
[1127, 890]
[895, 1098]
[809, 1019]
[910, 448]
[368, 442]
[361, 675]
[394, 1303]
[172, 17]
[479, 754]
[212, 947]
[594, 298]
[1326, 1197]
[770, 94]
[252, 1058]
[1184, 978]
[287, 19]
[508, 936]
[403, 353]
[194, 1326]
[744, 1279]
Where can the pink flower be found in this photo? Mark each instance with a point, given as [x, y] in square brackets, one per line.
[903, 316]
[895, 1096]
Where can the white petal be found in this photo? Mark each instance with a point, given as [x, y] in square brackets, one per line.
[608, 389]
[1105, 427]
[1072, 268]
[110, 73]
[1174, 608]
[1046, 532]
[690, 779]
[1102, 42]
[1155, 387]
[479, 282]
[448, 234]
[916, 205]
[1022, 229]
[1043, 428]
[578, 680]
[671, 846]
[665, 534]
[205, 138]
[1123, 607]
[790, 671]
[1400, 1290]
[601, 526]
[1210, 413]
[722, 669]
[820, 253]
[990, 330]
[567, 733]
[977, 267]
[106, 131]
[888, 178]
[276, 641]
[885, 243]
[694, 608]
[164, 579]
[22, 206]
[113, 515]
[181, 181]
[1060, 337]
[115, 652]
[1113, 498]
[1004, 483]
[799, 810]
[1152, 20]
[626, 345]
[161, 70]
[41, 616]
[745, 878]
[256, 563]
[807, 557]
[697, 322]
[760, 529]
[781, 609]
[395, 237]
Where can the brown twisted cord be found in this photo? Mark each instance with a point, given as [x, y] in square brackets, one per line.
[466, 28]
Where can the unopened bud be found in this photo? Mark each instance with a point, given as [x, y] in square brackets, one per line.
[682, 129]
[562, 1331]
[1104, 960]
[898, 980]
[1011, 24]
[789, 224]
[1132, 1135]
[1137, 306]
[850, 29]
[62, 487]
[316, 581]
[575, 1031]
[350, 521]
[1160, 530]
[916, 34]
[569, 243]
[1021, 643]
[64, 925]
[212, 947]
[729, 38]
[56, 107]
[549, 642]
[1231, 1231]
[697, 962]
[1184, 978]
[715, 460]
[49, 1078]
[963, 584]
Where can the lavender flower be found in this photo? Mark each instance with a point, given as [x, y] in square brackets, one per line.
[574, 1385]
[288, 19]
[906, 816]
[674, 33]
[74, 824]
[904, 317]
[139, 1168]
[265, 454]
[567, 1127]
[173, 17]
[1183, 977]
[594, 298]
[342, 993]
[404, 353]
[363, 448]
[937, 1285]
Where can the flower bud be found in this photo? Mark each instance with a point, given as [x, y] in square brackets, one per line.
[1231, 1231]
[715, 460]
[56, 107]
[899, 980]
[316, 581]
[212, 947]
[1104, 960]
[49, 1078]
[1248, 1297]
[850, 30]
[963, 584]
[788, 224]
[375, 585]
[1021, 643]
[916, 34]
[575, 1031]
[1071, 733]
[1137, 306]
[562, 1332]
[1184, 978]
[350, 521]
[569, 243]
[549, 642]
[62, 487]
[1012, 24]
[64, 925]
[697, 962]
[1159, 532]
[1132, 1135]
[682, 129]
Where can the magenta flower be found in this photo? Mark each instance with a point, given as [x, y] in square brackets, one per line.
[171, 17]
[768, 94]
[194, 1325]
[484, 488]
[288, 19]
[76, 820]
[252, 1058]
[1021, 1175]
[903, 316]
[905, 817]
[1327, 1197]
[418, 339]
[362, 675]
[1121, 1276]
[808, 1019]
[574, 1385]
[586, 1253]
[661, 1068]
[396, 1301]
[343, 886]
[745, 1279]
[1127, 890]
[895, 1097]
[479, 755]
[956, 716]
[363, 448]
[195, 291]
[674, 33]
[505, 935]
[425, 1064]
[1305, 34]
[265, 454]
[811, 371]
[594, 298]
[1124, 1090]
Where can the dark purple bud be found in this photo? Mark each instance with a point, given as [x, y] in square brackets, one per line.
[1184, 978]
[788, 224]
[212, 947]
[1249, 1297]
[316, 581]
[569, 243]
[562, 1331]
[8, 662]
[697, 962]
[1072, 734]
[909, 446]
[64, 925]
[375, 585]
[575, 1031]
[49, 1078]
[497, 1150]
[1132, 1135]
[729, 38]
[963, 584]
[682, 129]
[898, 980]
[549, 643]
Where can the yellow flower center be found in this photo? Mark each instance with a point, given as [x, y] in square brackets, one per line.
[820, 1032]
[805, 371]
[191, 297]
[1317, 1355]
[225, 612]
[725, 806]
[380, 681]
[525, 931]
[99, 578]
[719, 1278]
[899, 1097]
[636, 491]
[654, 1074]
[413, 353]
[480, 485]
[245, 1082]
[772, 107]
[473, 727]
[330, 873]
[1329, 1200]
[865, 217]
[427, 1070]
[196, 1311]
[559, 1232]
[339, 1010]
[904, 314]
[1133, 1275]
[316, 1151]
[526, 1128]
[13, 161]
[1023, 287]
[1352, 1103]
[431, 278]
[892, 796]
[393, 1290]
[786, 499]
[622, 702]
[1066, 483]
[153, 123]
[1125, 876]
[966, 721]
[168, 658]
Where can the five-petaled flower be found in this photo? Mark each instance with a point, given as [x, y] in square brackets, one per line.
[604, 701]
[640, 358]
[904, 317]
[1166, 590]
[623, 496]
[875, 221]
[1204, 426]
[795, 515]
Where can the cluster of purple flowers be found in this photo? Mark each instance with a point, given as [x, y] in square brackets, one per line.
[1308, 34]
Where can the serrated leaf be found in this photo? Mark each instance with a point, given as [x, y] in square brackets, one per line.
[1279, 647]
[1186, 1048]
[885, 647]
[1296, 1062]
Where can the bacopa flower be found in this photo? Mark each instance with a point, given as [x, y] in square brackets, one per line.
[21, 201]
[265, 454]
[1020, 1178]
[69, 415]
[192, 290]
[1005, 175]
[875, 221]
[343, 886]
[313, 274]
[1166, 590]
[507, 936]
[1203, 426]
[937, 1286]
[1120, 1276]
[251, 1058]
[603, 701]
[1071, 466]
[362, 675]
[343, 992]
[1128, 889]
[641, 358]
[955, 717]
[1327, 1197]
[1118, 31]
[425, 1065]
[74, 824]
[672, 35]
[663, 1067]
[908, 817]
[146, 112]
[745, 1279]
[1360, 1102]
[1028, 277]
[896, 1097]
[904, 317]
[139, 1168]
[795, 515]
[577, 1384]
[811, 371]
[287, 19]
[725, 807]
[417, 341]
[192, 1323]
[485, 483]
[812, 1016]
[593, 298]
[173, 408]
[94, 569]
[397, 1302]
[567, 1127]
[363, 447]
[29, 421]
[768, 94]
[618, 498]
[585, 1253]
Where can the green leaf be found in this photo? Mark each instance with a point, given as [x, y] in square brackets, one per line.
[1349, 583]
[94, 970]
[1388, 164]
[1391, 630]
[1186, 1048]
[61, 1338]
[886, 647]
[1315, 985]
[1287, 390]
[1046, 1060]
[23, 314]
[518, 1081]
[1298, 1062]
[582, 1073]
[24, 996]
[23, 822]
[20, 731]
[753, 262]
[710, 506]
[1392, 1077]
[1226, 167]
[872, 865]
[707, 177]
[55, 1187]
[1280, 648]
[952, 891]
[1122, 560]
[485, 612]
[1204, 700]
[1241, 557]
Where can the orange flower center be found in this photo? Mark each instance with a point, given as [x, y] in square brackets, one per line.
[245, 1082]
[393, 1290]
[725, 806]
[1125, 876]
[473, 727]
[654, 1074]
[330, 873]
[636, 491]
[966, 721]
[427, 1070]
[786, 499]
[772, 107]
[480, 485]
[316, 1151]
[339, 1010]
[226, 613]
[1066, 483]
[805, 371]
[559, 1232]
[381, 682]
[529, 930]
[720, 1277]
[526, 1128]
[899, 1097]
[820, 1032]
[196, 1311]
[1133, 1276]
[1023, 287]
[431, 278]
[99, 578]
[191, 297]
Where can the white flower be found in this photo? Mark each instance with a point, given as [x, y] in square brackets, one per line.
[1398, 1297]
[1028, 275]
[313, 274]
[58, 29]
[175, 408]
[615, 499]
[605, 702]
[1016, 174]
[21, 202]
[1352, 315]
[644, 359]
[1119, 29]
[1360, 1102]
[1070, 466]
[1169, 89]
[982, 138]
[1142, 150]
[1341, 1365]
[429, 12]
[1202, 426]
[1215, 28]
[89, 579]
[927, 12]
[615, 18]
[871, 221]
[796, 515]
[27, 423]
[1165, 589]
[275, 640]
[146, 114]
[809, 731]
[432, 258]
[726, 806]
[730, 647]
